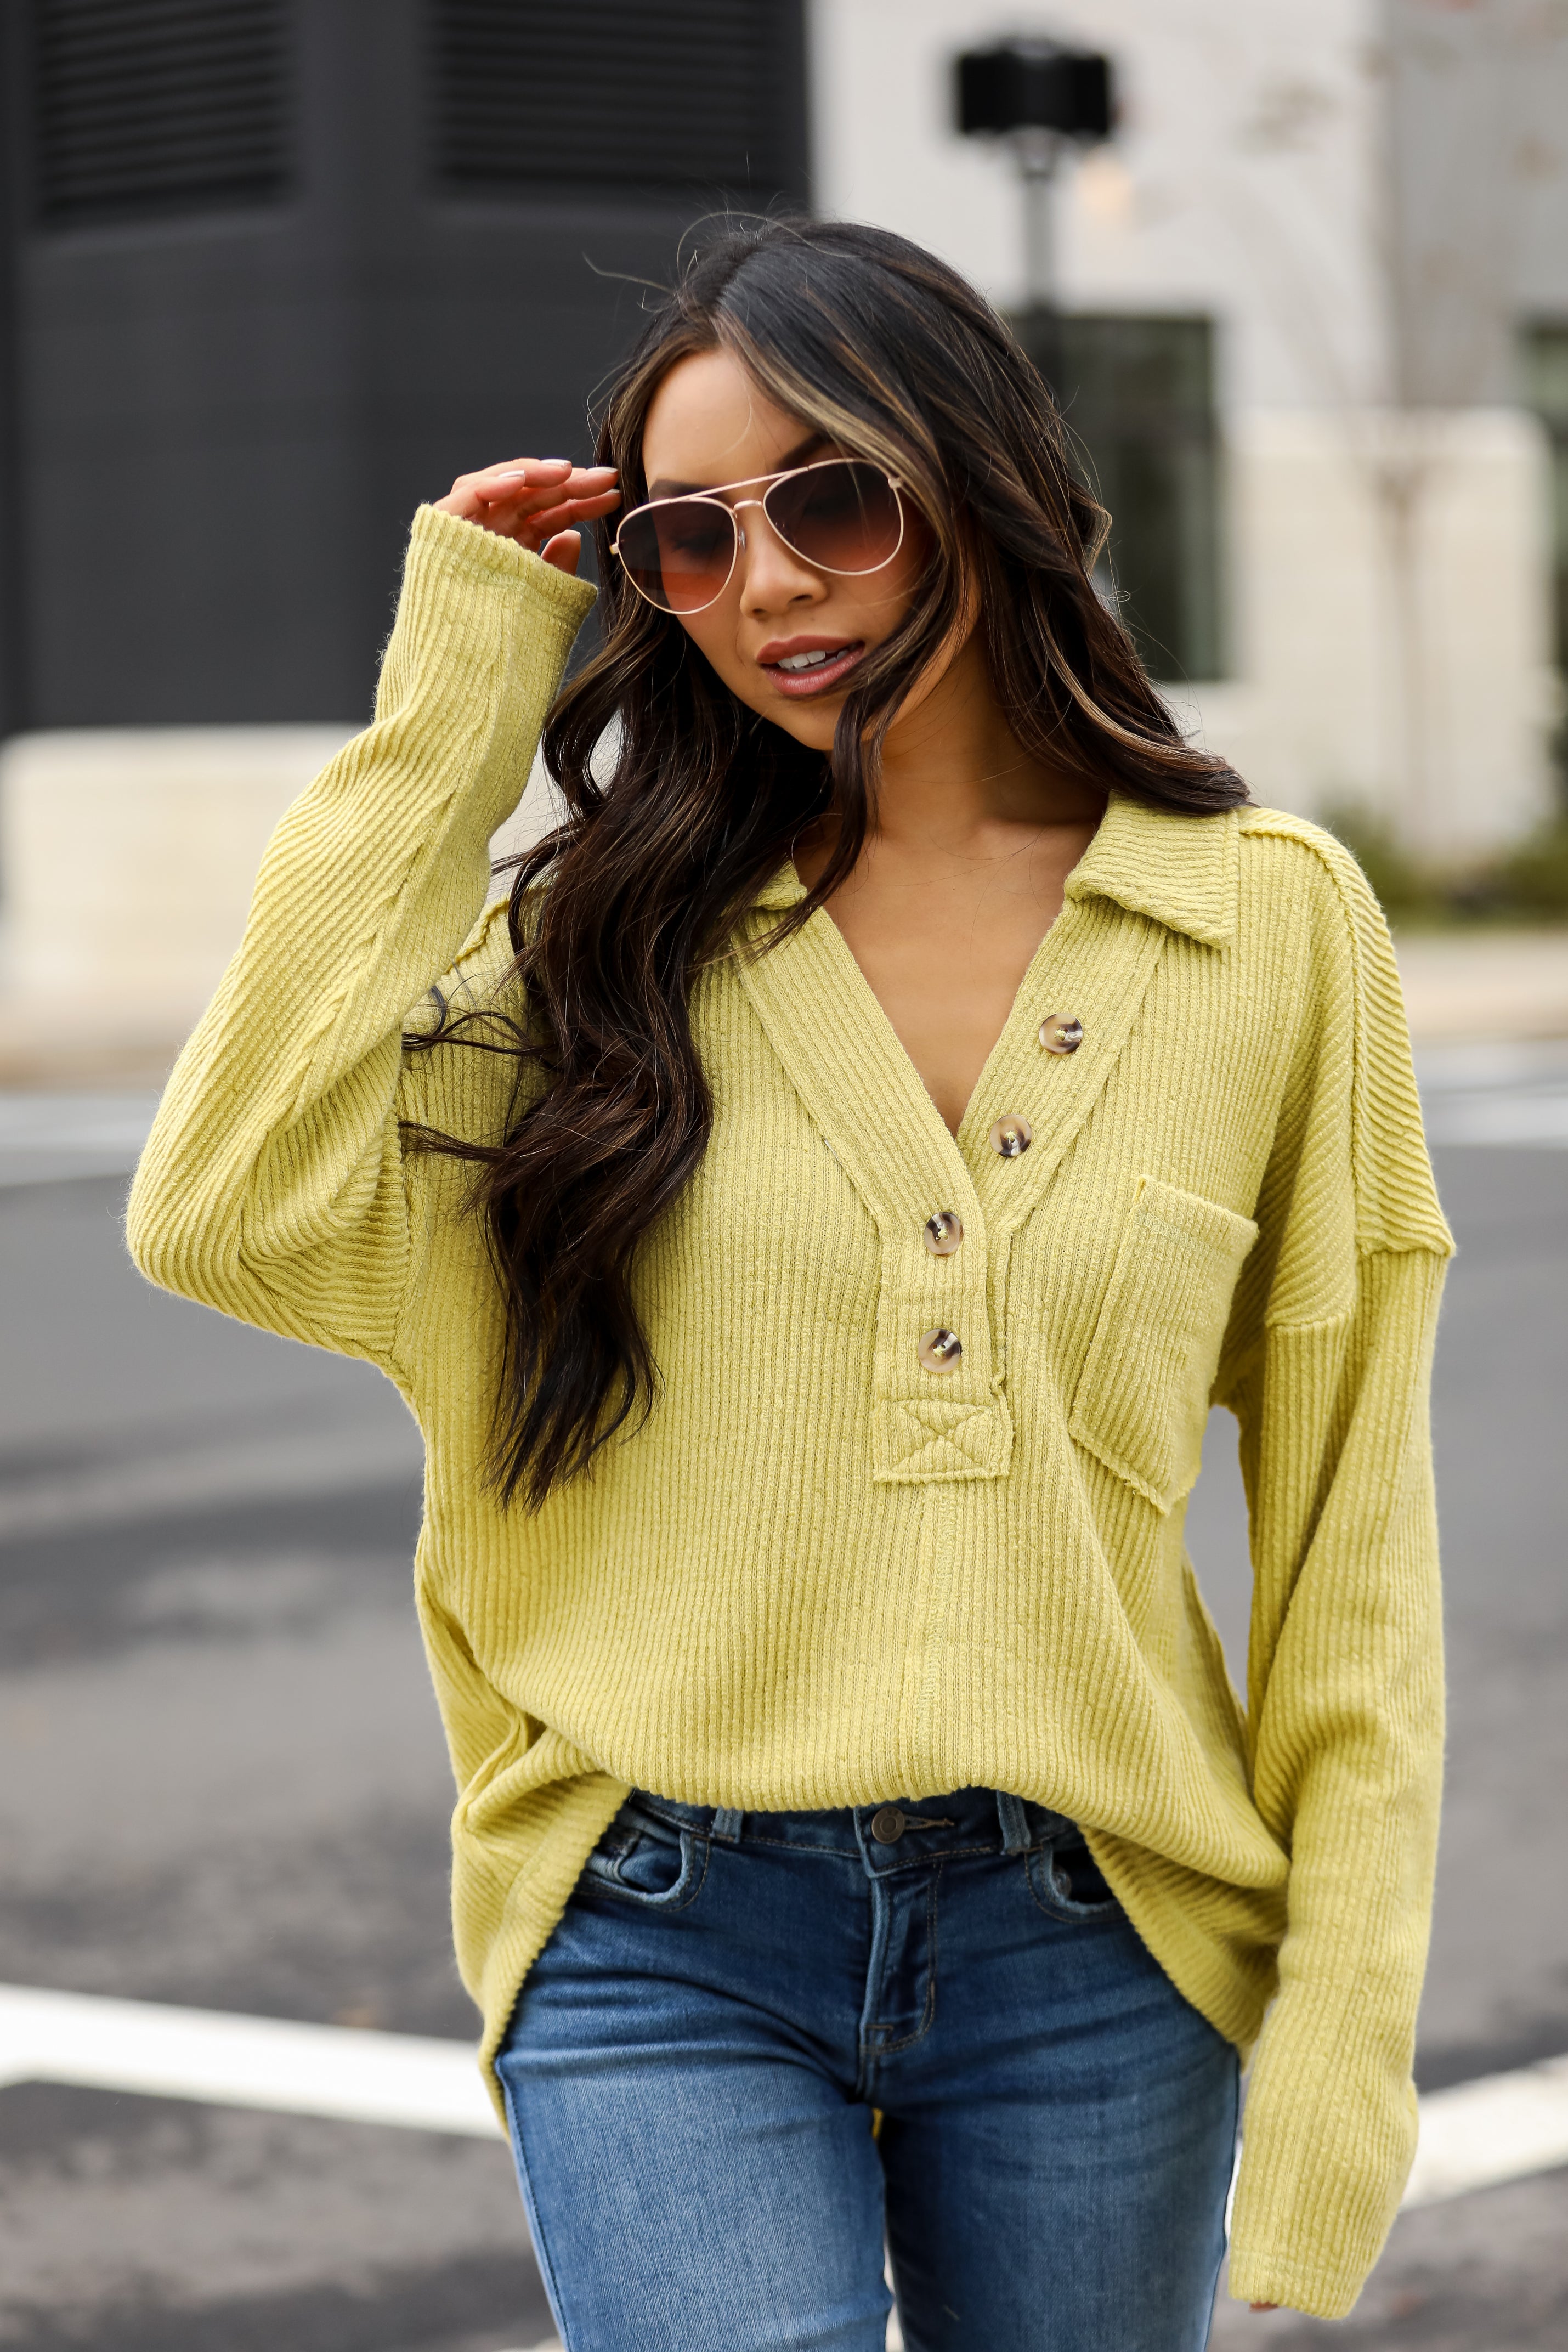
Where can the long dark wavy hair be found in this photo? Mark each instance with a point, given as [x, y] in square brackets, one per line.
[892, 357]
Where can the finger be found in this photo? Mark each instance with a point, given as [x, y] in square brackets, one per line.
[544, 477]
[526, 486]
[557, 517]
[540, 468]
[518, 470]
[462, 502]
[531, 528]
[518, 475]
[533, 515]
[513, 505]
[563, 550]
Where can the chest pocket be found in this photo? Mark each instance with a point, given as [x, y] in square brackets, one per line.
[1143, 1400]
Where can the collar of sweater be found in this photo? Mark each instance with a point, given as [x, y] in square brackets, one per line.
[1181, 870]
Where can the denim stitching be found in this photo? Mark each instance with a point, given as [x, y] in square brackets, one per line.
[946, 1853]
[650, 1805]
[892, 2049]
[852, 1853]
[665, 1902]
[535, 2219]
[830, 1853]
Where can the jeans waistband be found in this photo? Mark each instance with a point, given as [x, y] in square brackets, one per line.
[886, 1836]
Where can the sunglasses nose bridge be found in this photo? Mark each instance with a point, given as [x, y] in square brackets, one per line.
[739, 525]
[787, 545]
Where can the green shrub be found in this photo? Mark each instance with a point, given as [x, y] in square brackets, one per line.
[1405, 890]
[1526, 884]
[1533, 880]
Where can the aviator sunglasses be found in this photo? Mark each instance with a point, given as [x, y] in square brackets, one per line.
[841, 514]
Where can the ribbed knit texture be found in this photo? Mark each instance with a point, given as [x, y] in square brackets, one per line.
[821, 1575]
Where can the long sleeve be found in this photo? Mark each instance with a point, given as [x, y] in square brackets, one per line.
[272, 1185]
[1346, 1720]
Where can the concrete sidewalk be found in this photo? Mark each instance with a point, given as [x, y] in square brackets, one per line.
[1464, 985]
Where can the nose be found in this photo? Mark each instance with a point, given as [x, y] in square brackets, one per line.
[772, 575]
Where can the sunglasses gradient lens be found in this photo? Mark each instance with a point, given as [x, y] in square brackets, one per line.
[679, 552]
[843, 516]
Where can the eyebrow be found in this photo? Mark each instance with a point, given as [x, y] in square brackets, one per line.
[666, 489]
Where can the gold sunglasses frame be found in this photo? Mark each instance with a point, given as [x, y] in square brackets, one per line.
[715, 497]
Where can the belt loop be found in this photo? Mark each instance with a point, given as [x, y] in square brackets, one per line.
[1014, 1822]
[726, 1824]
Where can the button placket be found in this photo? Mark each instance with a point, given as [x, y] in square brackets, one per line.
[938, 1415]
[939, 1351]
[935, 1305]
[1099, 961]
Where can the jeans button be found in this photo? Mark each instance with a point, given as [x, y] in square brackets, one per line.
[887, 1825]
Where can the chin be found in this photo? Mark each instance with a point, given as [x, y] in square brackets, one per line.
[812, 727]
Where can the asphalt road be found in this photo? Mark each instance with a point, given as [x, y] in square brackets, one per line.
[221, 1782]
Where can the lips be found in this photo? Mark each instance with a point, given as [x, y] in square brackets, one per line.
[800, 671]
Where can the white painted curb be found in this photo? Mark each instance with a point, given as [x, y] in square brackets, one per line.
[1475, 2136]
[403, 2079]
[1499, 2128]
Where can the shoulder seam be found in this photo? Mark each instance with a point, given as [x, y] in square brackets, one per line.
[477, 938]
[1280, 824]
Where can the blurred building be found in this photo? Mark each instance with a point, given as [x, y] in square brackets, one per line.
[1317, 346]
[272, 270]
[279, 268]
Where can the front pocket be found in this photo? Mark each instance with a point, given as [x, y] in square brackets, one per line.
[1065, 1882]
[1143, 1400]
[657, 1867]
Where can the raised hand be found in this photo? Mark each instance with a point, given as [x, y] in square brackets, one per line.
[534, 501]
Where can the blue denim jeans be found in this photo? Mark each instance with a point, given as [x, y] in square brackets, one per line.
[693, 2066]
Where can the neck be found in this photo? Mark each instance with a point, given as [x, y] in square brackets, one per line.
[952, 769]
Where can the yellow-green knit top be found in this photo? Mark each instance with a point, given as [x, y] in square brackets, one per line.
[821, 1575]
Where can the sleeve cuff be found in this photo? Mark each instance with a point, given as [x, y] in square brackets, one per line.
[468, 551]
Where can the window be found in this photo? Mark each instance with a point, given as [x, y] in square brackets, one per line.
[1138, 394]
[145, 107]
[702, 95]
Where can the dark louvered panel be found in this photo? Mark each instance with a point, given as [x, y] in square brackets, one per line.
[684, 94]
[159, 106]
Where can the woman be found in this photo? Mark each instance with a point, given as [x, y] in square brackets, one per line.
[810, 1222]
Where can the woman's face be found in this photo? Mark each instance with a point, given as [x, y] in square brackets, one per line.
[708, 426]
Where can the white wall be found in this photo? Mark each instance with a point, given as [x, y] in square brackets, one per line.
[1243, 182]
[1392, 638]
[128, 856]
[1388, 591]
[1480, 186]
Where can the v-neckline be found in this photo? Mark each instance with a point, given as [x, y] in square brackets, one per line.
[1146, 879]
[850, 1068]
[960, 1136]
